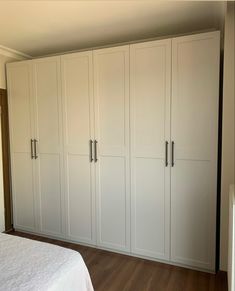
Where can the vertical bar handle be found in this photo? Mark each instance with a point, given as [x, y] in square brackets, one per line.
[32, 153]
[90, 151]
[95, 145]
[166, 153]
[35, 149]
[172, 153]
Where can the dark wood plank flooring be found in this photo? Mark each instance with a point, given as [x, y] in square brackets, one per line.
[114, 272]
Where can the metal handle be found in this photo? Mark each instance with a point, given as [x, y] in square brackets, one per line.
[35, 149]
[95, 145]
[31, 143]
[166, 152]
[90, 149]
[172, 153]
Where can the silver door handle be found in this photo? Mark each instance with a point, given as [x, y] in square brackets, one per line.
[90, 150]
[172, 153]
[166, 153]
[95, 145]
[35, 149]
[32, 153]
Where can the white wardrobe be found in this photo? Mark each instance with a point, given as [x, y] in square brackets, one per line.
[117, 148]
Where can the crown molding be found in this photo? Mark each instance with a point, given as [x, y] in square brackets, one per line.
[13, 53]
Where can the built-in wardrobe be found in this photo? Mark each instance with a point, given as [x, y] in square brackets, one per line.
[117, 147]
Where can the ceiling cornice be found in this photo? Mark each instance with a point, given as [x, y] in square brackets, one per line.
[6, 51]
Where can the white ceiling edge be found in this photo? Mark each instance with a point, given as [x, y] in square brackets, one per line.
[9, 52]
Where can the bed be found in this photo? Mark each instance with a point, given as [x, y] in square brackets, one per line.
[31, 265]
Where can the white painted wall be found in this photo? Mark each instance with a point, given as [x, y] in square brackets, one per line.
[228, 130]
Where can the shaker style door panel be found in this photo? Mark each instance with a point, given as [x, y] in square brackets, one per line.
[21, 132]
[111, 89]
[78, 116]
[194, 131]
[48, 144]
[150, 83]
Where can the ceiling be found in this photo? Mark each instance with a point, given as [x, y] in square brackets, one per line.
[42, 27]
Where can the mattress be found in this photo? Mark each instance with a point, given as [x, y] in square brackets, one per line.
[31, 265]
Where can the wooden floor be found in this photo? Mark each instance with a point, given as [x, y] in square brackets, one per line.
[115, 272]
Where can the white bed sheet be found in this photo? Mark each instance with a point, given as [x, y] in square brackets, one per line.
[31, 265]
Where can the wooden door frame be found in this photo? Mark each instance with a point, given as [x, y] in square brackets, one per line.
[6, 159]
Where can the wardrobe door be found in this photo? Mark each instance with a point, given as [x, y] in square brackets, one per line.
[78, 119]
[48, 144]
[21, 133]
[111, 89]
[150, 81]
[194, 131]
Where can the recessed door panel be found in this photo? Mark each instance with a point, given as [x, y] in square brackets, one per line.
[80, 210]
[193, 212]
[112, 202]
[23, 191]
[51, 220]
[19, 79]
[149, 206]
